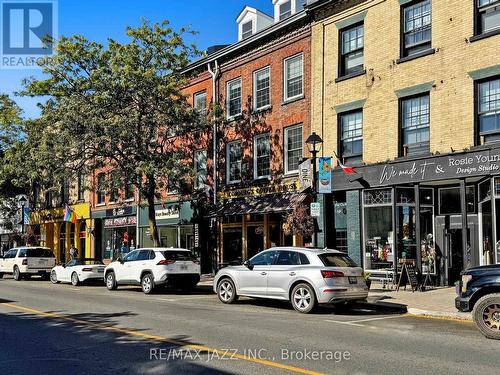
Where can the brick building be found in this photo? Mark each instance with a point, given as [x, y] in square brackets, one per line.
[409, 93]
[262, 87]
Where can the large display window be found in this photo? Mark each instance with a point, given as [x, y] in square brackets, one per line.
[377, 207]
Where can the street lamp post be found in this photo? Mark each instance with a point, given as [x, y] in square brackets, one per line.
[314, 143]
[22, 201]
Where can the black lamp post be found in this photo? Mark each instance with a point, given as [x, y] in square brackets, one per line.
[22, 203]
[314, 143]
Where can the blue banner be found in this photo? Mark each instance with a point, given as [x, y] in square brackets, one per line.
[325, 175]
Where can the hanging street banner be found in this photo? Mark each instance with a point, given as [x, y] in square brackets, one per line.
[305, 175]
[325, 175]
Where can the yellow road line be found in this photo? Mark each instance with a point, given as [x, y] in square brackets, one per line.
[448, 318]
[148, 336]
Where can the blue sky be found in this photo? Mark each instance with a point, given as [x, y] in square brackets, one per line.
[97, 20]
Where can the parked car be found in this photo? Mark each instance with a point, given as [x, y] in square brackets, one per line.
[78, 271]
[479, 291]
[305, 277]
[152, 267]
[23, 262]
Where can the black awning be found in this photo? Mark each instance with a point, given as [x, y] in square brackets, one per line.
[265, 204]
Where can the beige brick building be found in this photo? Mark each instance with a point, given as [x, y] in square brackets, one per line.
[408, 92]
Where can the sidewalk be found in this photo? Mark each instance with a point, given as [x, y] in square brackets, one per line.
[438, 303]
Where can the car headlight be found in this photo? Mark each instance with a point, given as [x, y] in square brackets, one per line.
[465, 280]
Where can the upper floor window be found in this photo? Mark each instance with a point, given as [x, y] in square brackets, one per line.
[351, 136]
[234, 98]
[129, 190]
[262, 90]
[233, 157]
[64, 191]
[101, 188]
[293, 148]
[415, 121]
[417, 27]
[246, 29]
[114, 193]
[200, 102]
[299, 5]
[200, 167]
[488, 15]
[294, 77]
[352, 54]
[489, 110]
[285, 10]
[262, 156]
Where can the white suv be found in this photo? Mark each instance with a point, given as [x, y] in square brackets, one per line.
[152, 267]
[26, 261]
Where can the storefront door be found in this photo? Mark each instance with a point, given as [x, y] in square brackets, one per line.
[233, 239]
[255, 242]
[487, 255]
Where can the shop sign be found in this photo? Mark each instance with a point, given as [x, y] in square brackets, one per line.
[120, 222]
[122, 211]
[325, 175]
[451, 166]
[260, 190]
[315, 209]
[196, 235]
[168, 213]
[305, 175]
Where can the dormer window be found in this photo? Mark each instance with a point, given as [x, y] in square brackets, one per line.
[285, 10]
[246, 30]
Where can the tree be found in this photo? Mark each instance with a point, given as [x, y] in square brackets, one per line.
[299, 222]
[119, 107]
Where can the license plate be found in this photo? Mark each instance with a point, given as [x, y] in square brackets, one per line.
[353, 280]
[183, 267]
[43, 260]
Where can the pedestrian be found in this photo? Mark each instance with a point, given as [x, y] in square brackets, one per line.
[73, 252]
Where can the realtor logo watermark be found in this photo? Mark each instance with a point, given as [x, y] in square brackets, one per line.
[25, 26]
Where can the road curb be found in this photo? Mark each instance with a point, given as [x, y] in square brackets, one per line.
[464, 317]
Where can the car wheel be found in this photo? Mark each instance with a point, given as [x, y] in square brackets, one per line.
[16, 274]
[303, 298]
[226, 291]
[1, 275]
[147, 283]
[74, 279]
[53, 277]
[486, 314]
[111, 281]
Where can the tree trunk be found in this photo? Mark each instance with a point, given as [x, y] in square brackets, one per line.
[150, 196]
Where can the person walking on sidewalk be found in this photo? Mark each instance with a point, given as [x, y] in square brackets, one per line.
[73, 252]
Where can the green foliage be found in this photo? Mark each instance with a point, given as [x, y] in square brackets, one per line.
[120, 107]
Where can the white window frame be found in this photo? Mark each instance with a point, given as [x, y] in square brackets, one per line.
[285, 156]
[252, 30]
[268, 68]
[286, 98]
[228, 116]
[280, 15]
[228, 162]
[255, 140]
[197, 95]
[196, 184]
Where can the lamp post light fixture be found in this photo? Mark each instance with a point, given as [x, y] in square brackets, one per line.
[314, 144]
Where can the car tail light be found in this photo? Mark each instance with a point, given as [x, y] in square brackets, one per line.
[87, 269]
[165, 262]
[25, 262]
[331, 274]
[334, 290]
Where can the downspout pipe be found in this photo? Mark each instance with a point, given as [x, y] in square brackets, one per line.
[215, 75]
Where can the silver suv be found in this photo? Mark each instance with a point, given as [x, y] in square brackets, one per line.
[305, 277]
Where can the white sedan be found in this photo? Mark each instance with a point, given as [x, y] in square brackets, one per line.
[77, 271]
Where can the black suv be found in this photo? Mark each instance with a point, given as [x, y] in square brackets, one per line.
[479, 291]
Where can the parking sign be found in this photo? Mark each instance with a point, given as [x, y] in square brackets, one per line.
[24, 28]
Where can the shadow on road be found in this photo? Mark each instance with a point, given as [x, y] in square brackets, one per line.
[80, 343]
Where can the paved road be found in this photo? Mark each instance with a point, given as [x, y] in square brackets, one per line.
[60, 329]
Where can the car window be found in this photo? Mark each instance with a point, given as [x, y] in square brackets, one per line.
[90, 262]
[303, 258]
[131, 256]
[337, 260]
[178, 255]
[263, 259]
[152, 254]
[143, 255]
[22, 253]
[38, 252]
[288, 258]
[11, 253]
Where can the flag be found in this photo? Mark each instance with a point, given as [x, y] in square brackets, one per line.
[346, 169]
[70, 215]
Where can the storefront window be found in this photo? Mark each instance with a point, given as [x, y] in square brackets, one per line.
[118, 241]
[378, 229]
[428, 250]
[449, 200]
